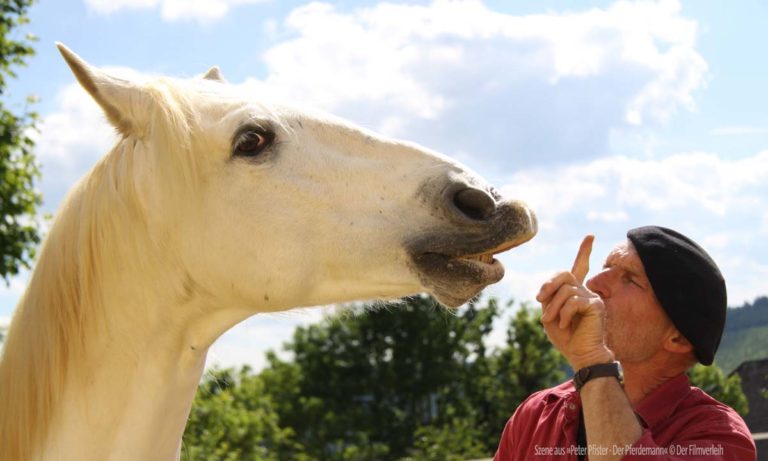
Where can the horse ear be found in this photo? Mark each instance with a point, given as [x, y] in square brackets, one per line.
[122, 101]
[214, 73]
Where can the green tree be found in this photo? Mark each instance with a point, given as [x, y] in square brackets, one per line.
[408, 380]
[528, 363]
[457, 440]
[18, 170]
[378, 376]
[233, 419]
[726, 389]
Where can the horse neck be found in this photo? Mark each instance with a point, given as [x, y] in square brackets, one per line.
[133, 394]
[107, 345]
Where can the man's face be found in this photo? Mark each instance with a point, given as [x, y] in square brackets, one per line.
[635, 322]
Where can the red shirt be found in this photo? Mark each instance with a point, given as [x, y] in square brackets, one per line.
[680, 422]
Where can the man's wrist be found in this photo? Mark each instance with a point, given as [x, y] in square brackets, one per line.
[602, 355]
[601, 370]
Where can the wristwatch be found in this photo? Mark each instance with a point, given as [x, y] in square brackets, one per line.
[598, 371]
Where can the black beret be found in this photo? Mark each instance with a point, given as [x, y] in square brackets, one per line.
[687, 283]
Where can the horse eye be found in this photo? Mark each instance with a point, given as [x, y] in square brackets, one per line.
[252, 143]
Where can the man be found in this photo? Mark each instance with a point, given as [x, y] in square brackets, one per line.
[657, 307]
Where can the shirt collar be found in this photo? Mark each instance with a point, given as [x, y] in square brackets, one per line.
[662, 401]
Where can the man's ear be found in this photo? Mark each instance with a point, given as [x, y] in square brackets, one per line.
[678, 343]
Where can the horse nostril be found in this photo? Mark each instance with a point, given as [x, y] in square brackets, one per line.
[474, 203]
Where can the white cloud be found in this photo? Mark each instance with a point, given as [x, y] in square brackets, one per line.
[502, 90]
[700, 182]
[745, 276]
[111, 6]
[248, 342]
[716, 201]
[174, 10]
[739, 130]
[607, 216]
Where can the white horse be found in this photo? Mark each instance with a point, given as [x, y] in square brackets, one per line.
[209, 209]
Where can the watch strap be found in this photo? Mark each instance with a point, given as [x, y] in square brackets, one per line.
[600, 370]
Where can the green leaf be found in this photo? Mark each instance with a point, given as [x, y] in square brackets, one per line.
[19, 200]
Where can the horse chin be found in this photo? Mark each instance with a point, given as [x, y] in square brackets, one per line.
[454, 281]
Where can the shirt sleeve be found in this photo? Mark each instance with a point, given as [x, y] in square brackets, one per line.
[521, 422]
[717, 446]
[505, 451]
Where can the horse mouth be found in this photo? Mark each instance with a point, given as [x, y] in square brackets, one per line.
[487, 257]
[454, 268]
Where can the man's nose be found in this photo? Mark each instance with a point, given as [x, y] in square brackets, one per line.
[598, 285]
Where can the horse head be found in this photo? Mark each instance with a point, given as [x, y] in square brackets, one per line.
[267, 206]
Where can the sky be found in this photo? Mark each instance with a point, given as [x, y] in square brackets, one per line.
[601, 115]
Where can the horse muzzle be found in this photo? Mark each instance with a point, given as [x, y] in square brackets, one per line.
[454, 263]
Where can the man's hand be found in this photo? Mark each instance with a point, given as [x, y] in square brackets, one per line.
[573, 316]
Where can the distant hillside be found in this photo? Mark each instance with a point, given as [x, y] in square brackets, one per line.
[748, 315]
[746, 335]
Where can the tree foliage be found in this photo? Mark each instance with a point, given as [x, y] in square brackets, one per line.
[459, 439]
[232, 419]
[527, 363]
[18, 170]
[726, 389]
[378, 376]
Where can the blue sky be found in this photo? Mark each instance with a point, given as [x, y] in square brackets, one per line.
[602, 115]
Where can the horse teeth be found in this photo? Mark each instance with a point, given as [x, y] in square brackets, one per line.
[483, 258]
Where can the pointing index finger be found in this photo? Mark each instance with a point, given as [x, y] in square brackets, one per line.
[581, 264]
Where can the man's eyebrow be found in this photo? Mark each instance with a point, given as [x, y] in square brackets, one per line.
[611, 261]
[633, 272]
